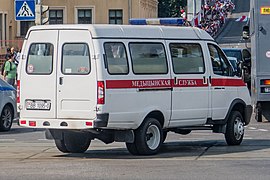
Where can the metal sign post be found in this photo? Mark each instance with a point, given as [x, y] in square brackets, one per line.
[193, 7]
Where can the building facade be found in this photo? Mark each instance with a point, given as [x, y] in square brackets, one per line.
[73, 12]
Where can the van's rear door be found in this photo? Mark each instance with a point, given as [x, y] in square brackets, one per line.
[37, 75]
[76, 75]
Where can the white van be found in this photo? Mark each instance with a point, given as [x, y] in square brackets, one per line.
[129, 84]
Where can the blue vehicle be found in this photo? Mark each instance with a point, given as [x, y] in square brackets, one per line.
[8, 109]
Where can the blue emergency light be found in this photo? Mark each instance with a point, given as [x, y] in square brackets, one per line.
[158, 21]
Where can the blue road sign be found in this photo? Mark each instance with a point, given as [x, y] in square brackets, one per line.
[25, 10]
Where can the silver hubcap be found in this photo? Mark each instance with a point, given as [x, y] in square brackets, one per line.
[6, 118]
[238, 128]
[153, 137]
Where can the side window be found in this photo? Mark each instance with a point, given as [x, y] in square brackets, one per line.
[187, 58]
[75, 59]
[220, 64]
[148, 58]
[40, 58]
[116, 58]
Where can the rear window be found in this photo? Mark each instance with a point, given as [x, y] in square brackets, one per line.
[40, 58]
[75, 59]
[148, 58]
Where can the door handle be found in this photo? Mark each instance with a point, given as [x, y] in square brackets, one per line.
[219, 88]
[204, 80]
[61, 80]
[210, 80]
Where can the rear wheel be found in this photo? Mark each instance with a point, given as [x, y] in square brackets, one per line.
[6, 118]
[148, 138]
[235, 129]
[60, 144]
[73, 142]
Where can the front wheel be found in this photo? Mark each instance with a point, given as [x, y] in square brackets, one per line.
[165, 133]
[148, 138]
[235, 129]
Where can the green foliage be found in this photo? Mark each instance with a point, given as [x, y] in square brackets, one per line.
[170, 8]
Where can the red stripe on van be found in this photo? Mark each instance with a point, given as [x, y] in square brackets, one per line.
[156, 83]
[145, 83]
[227, 82]
[190, 83]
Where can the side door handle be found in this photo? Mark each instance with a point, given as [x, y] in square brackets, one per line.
[204, 80]
[210, 80]
[219, 88]
[61, 80]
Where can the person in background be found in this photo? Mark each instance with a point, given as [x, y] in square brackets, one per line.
[10, 70]
[15, 55]
[8, 53]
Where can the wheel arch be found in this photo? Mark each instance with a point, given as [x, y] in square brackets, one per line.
[240, 106]
[157, 115]
[236, 105]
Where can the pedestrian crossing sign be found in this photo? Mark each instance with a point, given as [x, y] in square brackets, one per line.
[25, 10]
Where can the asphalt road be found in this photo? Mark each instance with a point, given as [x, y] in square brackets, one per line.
[26, 154]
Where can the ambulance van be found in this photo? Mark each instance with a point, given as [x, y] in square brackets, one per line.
[132, 84]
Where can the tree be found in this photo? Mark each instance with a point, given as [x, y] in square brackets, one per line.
[170, 8]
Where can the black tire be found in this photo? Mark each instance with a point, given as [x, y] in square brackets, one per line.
[131, 147]
[6, 118]
[60, 144]
[165, 133]
[148, 138]
[235, 129]
[75, 142]
[258, 114]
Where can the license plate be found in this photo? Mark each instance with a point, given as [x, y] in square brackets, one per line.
[38, 105]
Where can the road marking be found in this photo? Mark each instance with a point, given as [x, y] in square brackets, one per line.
[255, 129]
[9, 140]
[43, 139]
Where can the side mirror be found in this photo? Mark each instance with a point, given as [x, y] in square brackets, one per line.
[245, 33]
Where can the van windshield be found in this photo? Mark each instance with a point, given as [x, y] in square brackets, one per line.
[40, 58]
